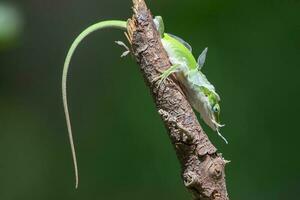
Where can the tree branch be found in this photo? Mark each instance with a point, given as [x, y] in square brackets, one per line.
[202, 167]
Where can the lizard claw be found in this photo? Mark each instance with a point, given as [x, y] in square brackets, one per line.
[160, 79]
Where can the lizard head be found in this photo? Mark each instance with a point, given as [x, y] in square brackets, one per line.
[214, 107]
[211, 113]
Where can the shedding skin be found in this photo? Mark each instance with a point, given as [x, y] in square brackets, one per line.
[201, 93]
[222, 136]
[98, 26]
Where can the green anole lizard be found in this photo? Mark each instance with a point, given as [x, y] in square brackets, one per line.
[200, 93]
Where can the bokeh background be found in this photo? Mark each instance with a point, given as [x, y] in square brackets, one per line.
[123, 149]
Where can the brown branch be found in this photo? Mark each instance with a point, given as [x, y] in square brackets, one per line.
[202, 167]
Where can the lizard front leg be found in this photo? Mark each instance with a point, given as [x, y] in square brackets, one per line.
[167, 73]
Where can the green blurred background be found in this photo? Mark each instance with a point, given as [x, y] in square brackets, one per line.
[123, 149]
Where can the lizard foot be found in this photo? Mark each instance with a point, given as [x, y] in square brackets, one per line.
[122, 44]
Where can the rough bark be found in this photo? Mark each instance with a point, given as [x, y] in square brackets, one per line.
[202, 167]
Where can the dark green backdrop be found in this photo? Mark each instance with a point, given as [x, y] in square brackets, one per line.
[123, 149]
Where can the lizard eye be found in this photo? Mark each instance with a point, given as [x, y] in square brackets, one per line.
[216, 108]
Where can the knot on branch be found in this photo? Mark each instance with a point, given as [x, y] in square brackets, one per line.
[190, 179]
[216, 168]
[204, 177]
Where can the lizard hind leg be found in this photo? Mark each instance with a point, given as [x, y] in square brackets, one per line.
[122, 44]
[166, 74]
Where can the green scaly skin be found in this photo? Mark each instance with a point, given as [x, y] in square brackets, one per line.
[200, 92]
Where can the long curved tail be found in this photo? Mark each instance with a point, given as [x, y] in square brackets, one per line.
[98, 26]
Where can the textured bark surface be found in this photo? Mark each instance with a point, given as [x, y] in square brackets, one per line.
[202, 167]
